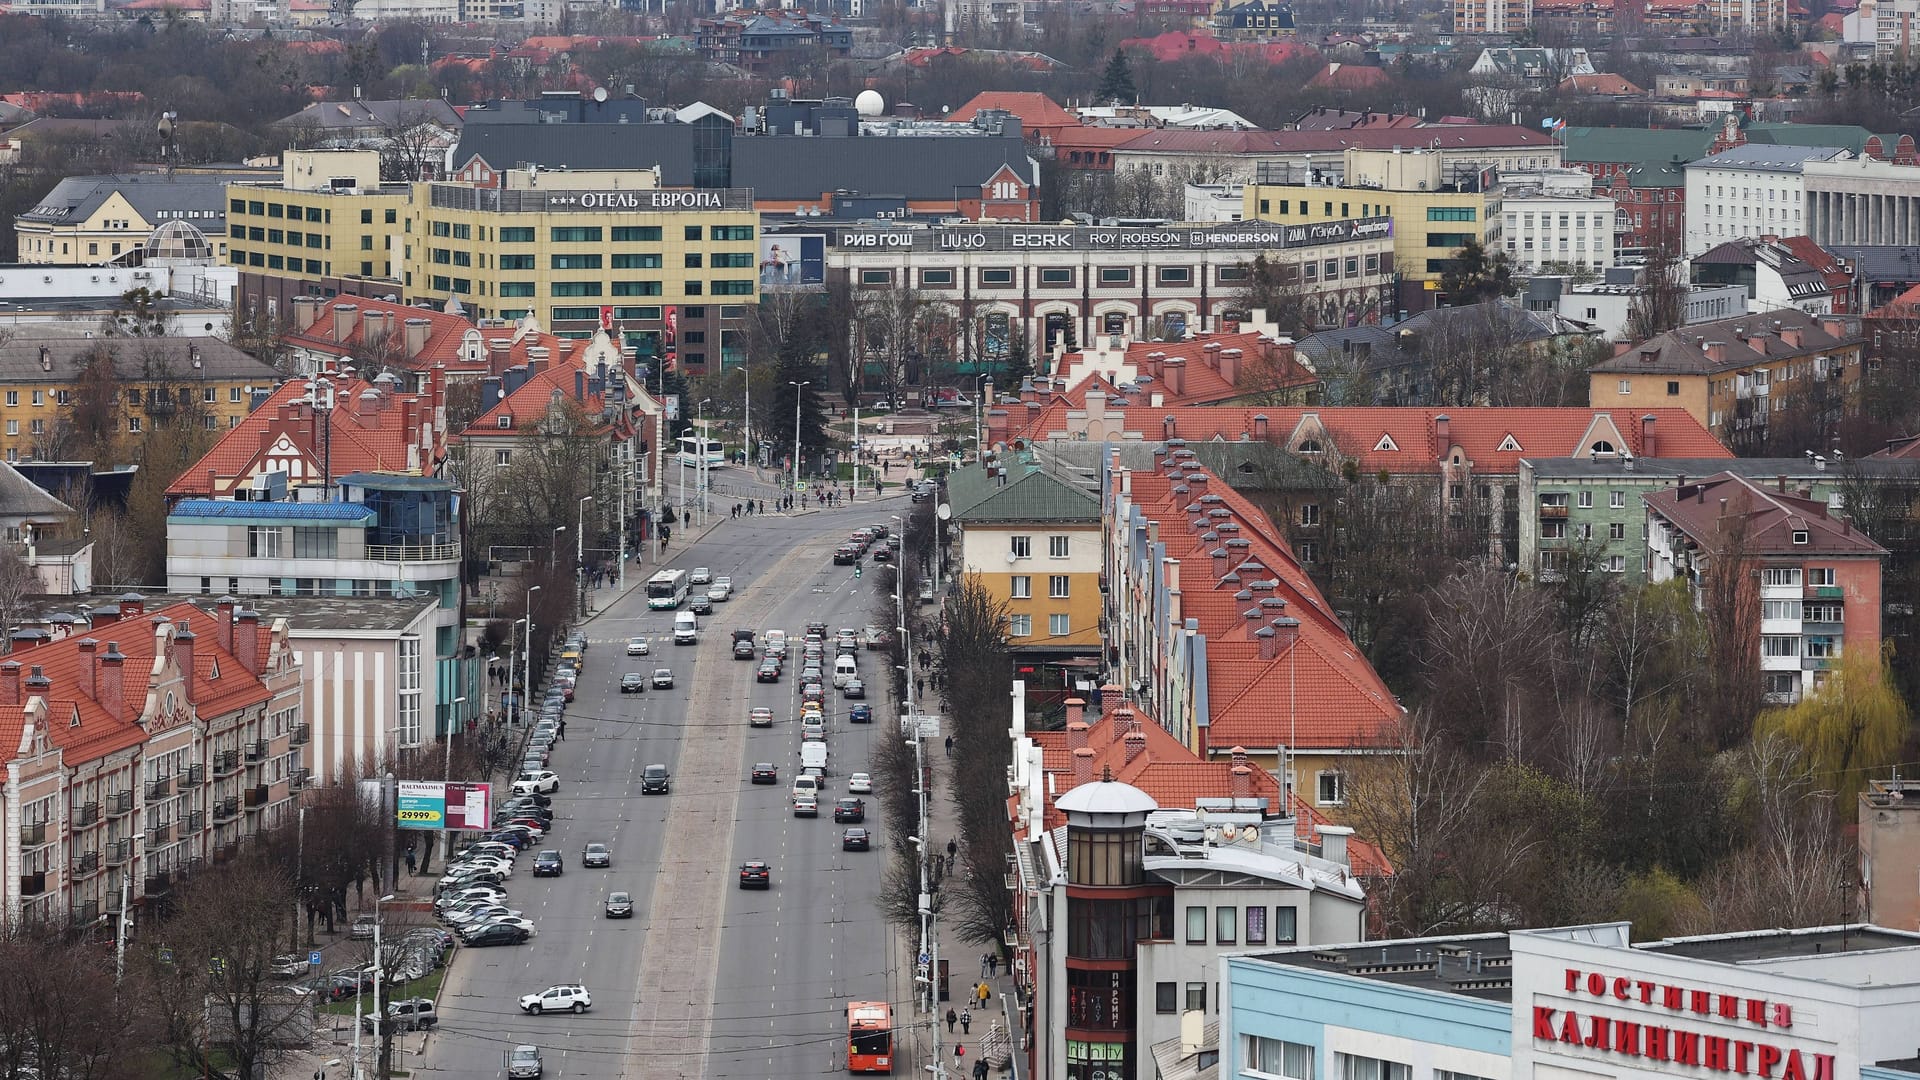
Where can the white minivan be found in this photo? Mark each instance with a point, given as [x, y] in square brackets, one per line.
[844, 669]
[813, 755]
[686, 628]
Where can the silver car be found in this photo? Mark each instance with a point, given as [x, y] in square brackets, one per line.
[523, 1063]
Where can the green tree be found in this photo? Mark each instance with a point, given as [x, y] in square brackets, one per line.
[1846, 728]
[797, 365]
[1116, 82]
[1476, 275]
[1017, 365]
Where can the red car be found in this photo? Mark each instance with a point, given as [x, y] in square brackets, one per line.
[756, 875]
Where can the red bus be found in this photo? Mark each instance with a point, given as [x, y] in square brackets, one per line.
[869, 1037]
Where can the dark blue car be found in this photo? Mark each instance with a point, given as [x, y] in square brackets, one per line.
[860, 714]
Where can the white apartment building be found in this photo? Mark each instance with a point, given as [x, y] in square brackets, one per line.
[1887, 25]
[1748, 191]
[1553, 216]
[1862, 201]
[1608, 306]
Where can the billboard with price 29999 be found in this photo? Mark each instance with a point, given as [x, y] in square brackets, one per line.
[430, 804]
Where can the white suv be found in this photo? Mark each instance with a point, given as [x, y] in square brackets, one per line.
[558, 999]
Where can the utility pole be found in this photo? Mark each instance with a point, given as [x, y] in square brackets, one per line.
[799, 388]
[856, 451]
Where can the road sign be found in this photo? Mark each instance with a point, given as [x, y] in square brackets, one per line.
[313, 958]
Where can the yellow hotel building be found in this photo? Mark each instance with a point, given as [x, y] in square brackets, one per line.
[565, 246]
[328, 227]
[1032, 540]
[1433, 213]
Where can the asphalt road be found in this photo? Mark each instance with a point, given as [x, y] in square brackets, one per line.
[707, 980]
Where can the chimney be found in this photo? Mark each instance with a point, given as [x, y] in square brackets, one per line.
[1168, 427]
[89, 669]
[1076, 714]
[1260, 426]
[1219, 556]
[183, 640]
[1252, 616]
[223, 623]
[1136, 744]
[499, 354]
[373, 327]
[536, 360]
[1442, 433]
[37, 685]
[580, 384]
[1333, 843]
[113, 694]
[1780, 483]
[344, 316]
[1269, 646]
[10, 683]
[417, 332]
[246, 639]
[1649, 440]
[1230, 366]
[132, 606]
[1082, 766]
[1176, 368]
[46, 358]
[1792, 336]
[1242, 782]
[306, 309]
[1716, 351]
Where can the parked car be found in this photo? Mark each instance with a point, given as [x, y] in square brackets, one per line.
[536, 781]
[497, 934]
[756, 875]
[362, 928]
[289, 966]
[413, 1014]
[567, 997]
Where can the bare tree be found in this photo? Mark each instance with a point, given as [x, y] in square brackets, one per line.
[975, 666]
[17, 582]
[54, 1019]
[1486, 659]
[1797, 870]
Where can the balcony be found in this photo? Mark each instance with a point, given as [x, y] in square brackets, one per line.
[256, 797]
[86, 815]
[1823, 629]
[119, 851]
[160, 834]
[196, 775]
[85, 911]
[194, 822]
[226, 809]
[33, 834]
[413, 552]
[33, 884]
[1826, 592]
[226, 763]
[1553, 513]
[158, 885]
[1818, 663]
[256, 751]
[161, 788]
[225, 852]
[86, 862]
[302, 734]
[112, 904]
[119, 804]
[297, 779]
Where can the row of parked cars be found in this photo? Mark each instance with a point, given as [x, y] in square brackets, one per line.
[871, 541]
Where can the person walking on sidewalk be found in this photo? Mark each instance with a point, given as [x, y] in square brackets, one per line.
[980, 1069]
[966, 1021]
[953, 849]
[983, 965]
[983, 993]
[993, 964]
[951, 1018]
[949, 746]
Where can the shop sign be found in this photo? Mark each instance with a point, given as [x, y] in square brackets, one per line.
[1666, 1041]
[1238, 236]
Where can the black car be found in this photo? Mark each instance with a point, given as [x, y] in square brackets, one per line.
[633, 683]
[619, 905]
[497, 934]
[849, 810]
[700, 605]
[547, 864]
[846, 555]
[856, 840]
[769, 672]
[596, 856]
[655, 780]
[743, 650]
[765, 773]
[756, 875]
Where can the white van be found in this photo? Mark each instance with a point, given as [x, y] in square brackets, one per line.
[844, 669]
[686, 628]
[813, 755]
[807, 786]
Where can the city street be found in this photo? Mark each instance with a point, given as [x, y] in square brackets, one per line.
[706, 979]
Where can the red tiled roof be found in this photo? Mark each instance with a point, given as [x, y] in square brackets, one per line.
[446, 336]
[1337, 76]
[13, 729]
[1771, 516]
[1832, 269]
[528, 403]
[1035, 110]
[1176, 44]
[1204, 372]
[1406, 440]
[1605, 82]
[362, 436]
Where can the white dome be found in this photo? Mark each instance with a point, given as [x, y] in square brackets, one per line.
[869, 103]
[1106, 797]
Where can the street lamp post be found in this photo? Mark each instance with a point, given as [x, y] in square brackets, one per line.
[526, 660]
[553, 550]
[793, 490]
[378, 969]
[855, 493]
[513, 654]
[700, 467]
[120, 932]
[580, 553]
[446, 770]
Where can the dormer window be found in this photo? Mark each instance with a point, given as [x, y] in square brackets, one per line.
[214, 672]
[1310, 446]
[506, 421]
[1602, 447]
[1800, 536]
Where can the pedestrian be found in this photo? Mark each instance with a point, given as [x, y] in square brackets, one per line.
[993, 964]
[984, 993]
[560, 729]
[410, 859]
[686, 519]
[953, 848]
[966, 1021]
[979, 1069]
[949, 741]
[951, 1017]
[959, 1051]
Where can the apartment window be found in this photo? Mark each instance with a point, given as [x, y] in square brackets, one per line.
[1826, 613]
[1196, 997]
[1285, 923]
[502, 458]
[576, 262]
[1226, 925]
[692, 232]
[1625, 386]
[1617, 531]
[1355, 1067]
[1448, 1074]
[13, 427]
[1057, 586]
[1058, 547]
[1784, 577]
[1779, 645]
[1308, 550]
[637, 288]
[1615, 564]
[1330, 788]
[1586, 500]
[1059, 625]
[1166, 997]
[574, 234]
[315, 543]
[1256, 926]
[1116, 275]
[517, 288]
[1021, 546]
[524, 235]
[1780, 609]
[133, 424]
[13, 397]
[1175, 275]
[1019, 626]
[876, 277]
[1051, 275]
[1272, 1057]
[1553, 530]
[575, 288]
[40, 397]
[233, 394]
[1196, 926]
[732, 287]
[691, 260]
[1821, 575]
[522, 262]
[1617, 499]
[39, 427]
[409, 681]
[209, 395]
[263, 542]
[643, 260]
[1022, 587]
[730, 232]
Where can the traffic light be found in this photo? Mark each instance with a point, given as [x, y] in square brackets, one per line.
[857, 568]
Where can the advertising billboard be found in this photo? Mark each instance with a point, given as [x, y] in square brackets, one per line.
[789, 260]
[430, 804]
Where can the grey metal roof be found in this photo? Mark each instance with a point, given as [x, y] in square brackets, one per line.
[134, 359]
[914, 166]
[22, 498]
[575, 146]
[155, 197]
[1881, 262]
[1769, 157]
[1029, 494]
[373, 115]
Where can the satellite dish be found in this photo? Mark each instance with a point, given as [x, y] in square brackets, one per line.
[599, 93]
[1213, 834]
[1012, 558]
[1250, 834]
[944, 512]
